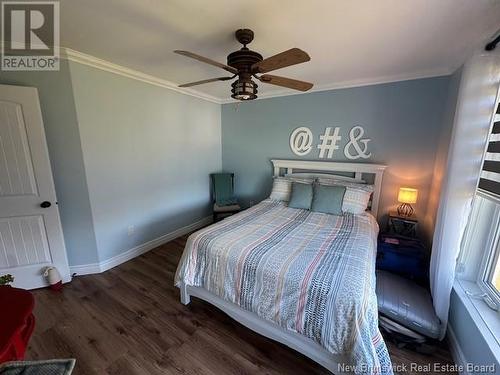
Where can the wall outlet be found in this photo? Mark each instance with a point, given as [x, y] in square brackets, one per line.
[131, 230]
[252, 203]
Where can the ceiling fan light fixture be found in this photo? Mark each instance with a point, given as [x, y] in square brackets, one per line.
[244, 89]
[246, 64]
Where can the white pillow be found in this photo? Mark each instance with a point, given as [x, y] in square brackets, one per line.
[356, 197]
[282, 187]
[355, 200]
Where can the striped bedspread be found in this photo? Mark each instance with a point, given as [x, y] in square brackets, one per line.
[311, 273]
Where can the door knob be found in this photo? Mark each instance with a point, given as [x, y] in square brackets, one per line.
[45, 204]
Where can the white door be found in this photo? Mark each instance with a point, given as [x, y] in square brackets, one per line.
[30, 229]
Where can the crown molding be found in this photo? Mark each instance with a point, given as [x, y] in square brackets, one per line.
[95, 62]
[83, 58]
[354, 83]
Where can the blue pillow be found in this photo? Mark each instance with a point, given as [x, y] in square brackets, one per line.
[301, 196]
[328, 199]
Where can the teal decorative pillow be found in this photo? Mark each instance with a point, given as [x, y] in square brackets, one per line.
[301, 196]
[328, 199]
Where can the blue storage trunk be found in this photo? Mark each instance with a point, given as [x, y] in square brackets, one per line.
[403, 256]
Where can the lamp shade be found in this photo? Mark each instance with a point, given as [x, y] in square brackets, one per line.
[407, 195]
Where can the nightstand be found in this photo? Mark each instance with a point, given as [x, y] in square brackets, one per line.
[404, 256]
[402, 225]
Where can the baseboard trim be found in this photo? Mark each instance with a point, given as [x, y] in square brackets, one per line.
[456, 351]
[85, 269]
[92, 268]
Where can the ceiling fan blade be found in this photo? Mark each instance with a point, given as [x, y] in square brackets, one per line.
[285, 82]
[206, 60]
[281, 60]
[206, 81]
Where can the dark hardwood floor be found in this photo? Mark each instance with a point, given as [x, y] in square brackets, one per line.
[129, 320]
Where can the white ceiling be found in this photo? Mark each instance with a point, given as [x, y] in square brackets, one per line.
[350, 42]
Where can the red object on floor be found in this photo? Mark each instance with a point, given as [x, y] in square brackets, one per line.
[57, 287]
[16, 322]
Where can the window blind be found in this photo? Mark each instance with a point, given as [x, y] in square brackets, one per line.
[490, 174]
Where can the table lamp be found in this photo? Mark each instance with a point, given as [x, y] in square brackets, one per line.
[405, 197]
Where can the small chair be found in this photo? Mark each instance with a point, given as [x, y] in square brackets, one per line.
[225, 204]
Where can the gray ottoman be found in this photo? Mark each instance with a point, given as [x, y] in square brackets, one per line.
[405, 304]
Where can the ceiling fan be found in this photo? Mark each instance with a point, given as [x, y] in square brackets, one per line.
[246, 64]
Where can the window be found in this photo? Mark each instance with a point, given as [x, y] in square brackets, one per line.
[480, 257]
[489, 187]
[495, 272]
[489, 272]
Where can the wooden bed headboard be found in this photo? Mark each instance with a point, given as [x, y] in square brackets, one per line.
[334, 168]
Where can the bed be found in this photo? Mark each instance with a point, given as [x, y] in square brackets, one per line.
[302, 278]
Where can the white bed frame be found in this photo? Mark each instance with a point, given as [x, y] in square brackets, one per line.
[329, 168]
[294, 340]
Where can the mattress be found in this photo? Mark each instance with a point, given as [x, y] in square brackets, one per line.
[308, 272]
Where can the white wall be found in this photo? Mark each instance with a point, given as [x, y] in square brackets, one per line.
[441, 155]
[148, 152]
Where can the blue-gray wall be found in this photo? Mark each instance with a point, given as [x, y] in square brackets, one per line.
[403, 120]
[474, 347]
[148, 152]
[63, 141]
[123, 153]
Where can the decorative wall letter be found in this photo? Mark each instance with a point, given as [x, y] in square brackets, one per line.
[301, 141]
[355, 140]
[329, 142]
